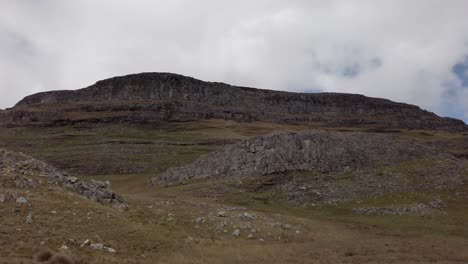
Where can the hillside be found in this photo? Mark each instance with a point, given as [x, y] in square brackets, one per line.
[156, 97]
[202, 173]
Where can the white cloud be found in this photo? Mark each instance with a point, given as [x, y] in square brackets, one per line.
[401, 50]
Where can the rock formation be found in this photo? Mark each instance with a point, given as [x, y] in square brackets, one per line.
[20, 171]
[320, 151]
[156, 97]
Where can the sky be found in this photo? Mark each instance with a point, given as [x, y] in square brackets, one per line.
[407, 51]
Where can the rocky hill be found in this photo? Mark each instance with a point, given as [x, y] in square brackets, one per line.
[308, 167]
[320, 151]
[22, 171]
[156, 97]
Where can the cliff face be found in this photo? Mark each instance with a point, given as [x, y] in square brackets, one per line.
[154, 97]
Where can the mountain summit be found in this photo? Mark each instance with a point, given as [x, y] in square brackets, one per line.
[156, 97]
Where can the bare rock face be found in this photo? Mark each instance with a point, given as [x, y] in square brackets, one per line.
[321, 151]
[21, 167]
[156, 97]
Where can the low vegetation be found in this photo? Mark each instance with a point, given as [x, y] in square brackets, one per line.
[197, 222]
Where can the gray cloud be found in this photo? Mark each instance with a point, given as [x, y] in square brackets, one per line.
[401, 50]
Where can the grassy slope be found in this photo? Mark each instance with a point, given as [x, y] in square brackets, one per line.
[145, 234]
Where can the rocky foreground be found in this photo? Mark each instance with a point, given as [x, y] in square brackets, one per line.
[157, 97]
[22, 171]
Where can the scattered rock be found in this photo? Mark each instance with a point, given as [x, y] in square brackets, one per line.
[86, 243]
[110, 250]
[21, 200]
[63, 248]
[21, 182]
[19, 163]
[236, 233]
[29, 219]
[416, 208]
[247, 216]
[6, 196]
[222, 214]
[96, 246]
[438, 204]
[72, 179]
[199, 220]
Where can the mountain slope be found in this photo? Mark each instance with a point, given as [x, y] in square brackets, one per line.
[156, 97]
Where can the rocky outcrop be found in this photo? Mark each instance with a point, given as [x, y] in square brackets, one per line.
[416, 208]
[156, 97]
[23, 170]
[320, 151]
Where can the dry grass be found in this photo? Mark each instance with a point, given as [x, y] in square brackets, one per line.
[329, 234]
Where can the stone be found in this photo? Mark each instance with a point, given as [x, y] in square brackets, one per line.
[63, 248]
[222, 214]
[415, 208]
[21, 200]
[86, 243]
[438, 204]
[29, 219]
[110, 250]
[247, 216]
[6, 196]
[94, 190]
[199, 220]
[72, 179]
[236, 233]
[96, 246]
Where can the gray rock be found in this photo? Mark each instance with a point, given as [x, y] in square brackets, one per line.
[21, 200]
[438, 204]
[199, 220]
[29, 219]
[6, 196]
[19, 163]
[110, 250]
[222, 214]
[96, 246]
[236, 233]
[72, 179]
[416, 208]
[86, 243]
[247, 216]
[63, 248]
[318, 151]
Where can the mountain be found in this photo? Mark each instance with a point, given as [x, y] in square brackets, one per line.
[157, 97]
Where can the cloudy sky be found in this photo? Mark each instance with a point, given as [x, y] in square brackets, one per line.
[410, 51]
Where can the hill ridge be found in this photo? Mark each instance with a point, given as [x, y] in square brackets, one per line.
[156, 97]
